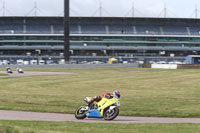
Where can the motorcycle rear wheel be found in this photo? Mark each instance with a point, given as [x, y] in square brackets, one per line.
[80, 114]
[110, 115]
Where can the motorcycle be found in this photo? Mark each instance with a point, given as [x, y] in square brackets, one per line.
[9, 70]
[105, 108]
[19, 70]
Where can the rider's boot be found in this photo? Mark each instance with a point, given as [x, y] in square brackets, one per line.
[90, 103]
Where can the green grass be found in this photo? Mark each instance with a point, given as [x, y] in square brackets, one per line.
[145, 92]
[71, 127]
[1, 74]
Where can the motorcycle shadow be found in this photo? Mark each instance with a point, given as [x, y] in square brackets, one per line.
[101, 120]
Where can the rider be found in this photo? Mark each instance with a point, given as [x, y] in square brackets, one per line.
[97, 98]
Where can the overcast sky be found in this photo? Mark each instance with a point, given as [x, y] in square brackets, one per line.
[118, 8]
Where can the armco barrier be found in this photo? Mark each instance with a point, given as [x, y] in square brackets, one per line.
[189, 66]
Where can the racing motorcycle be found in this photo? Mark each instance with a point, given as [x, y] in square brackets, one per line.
[105, 108]
[19, 70]
[9, 70]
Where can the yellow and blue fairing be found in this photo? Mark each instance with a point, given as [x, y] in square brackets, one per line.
[102, 105]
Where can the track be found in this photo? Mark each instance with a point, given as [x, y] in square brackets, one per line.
[35, 116]
[26, 74]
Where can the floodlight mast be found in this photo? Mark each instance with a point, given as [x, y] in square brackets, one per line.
[66, 31]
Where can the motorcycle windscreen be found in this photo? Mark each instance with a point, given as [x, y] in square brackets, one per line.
[94, 114]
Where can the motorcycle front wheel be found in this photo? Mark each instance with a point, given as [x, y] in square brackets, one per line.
[79, 114]
[111, 114]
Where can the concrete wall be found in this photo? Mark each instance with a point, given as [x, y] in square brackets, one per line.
[164, 66]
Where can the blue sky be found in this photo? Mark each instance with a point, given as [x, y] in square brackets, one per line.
[120, 8]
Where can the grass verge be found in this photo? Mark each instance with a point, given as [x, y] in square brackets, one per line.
[72, 127]
[1, 74]
[145, 92]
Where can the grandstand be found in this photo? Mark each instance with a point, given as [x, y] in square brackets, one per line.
[95, 38]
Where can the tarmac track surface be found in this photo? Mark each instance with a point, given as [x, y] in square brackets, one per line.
[56, 117]
[25, 74]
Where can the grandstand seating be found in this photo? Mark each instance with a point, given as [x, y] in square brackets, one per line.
[37, 29]
[100, 36]
[175, 30]
[195, 30]
[11, 29]
[145, 29]
[74, 29]
[121, 29]
[100, 29]
[58, 29]
[91, 29]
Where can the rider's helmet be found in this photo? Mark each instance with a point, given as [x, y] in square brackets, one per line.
[116, 94]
